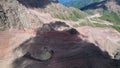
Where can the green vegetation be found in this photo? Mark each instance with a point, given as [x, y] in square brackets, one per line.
[116, 27]
[107, 16]
[90, 12]
[98, 25]
[90, 24]
[111, 17]
[72, 14]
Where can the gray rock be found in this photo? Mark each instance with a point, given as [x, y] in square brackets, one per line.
[17, 16]
[3, 19]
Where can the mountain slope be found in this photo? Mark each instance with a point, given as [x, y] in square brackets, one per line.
[21, 14]
[112, 13]
[108, 13]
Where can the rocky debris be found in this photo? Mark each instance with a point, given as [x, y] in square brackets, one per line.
[115, 6]
[72, 31]
[45, 55]
[3, 19]
[56, 26]
[46, 28]
[18, 16]
[59, 25]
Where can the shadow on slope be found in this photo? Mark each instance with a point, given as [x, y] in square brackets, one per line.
[95, 5]
[67, 51]
[35, 3]
[118, 2]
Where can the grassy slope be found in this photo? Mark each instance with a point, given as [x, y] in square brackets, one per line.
[98, 25]
[111, 17]
[72, 14]
[107, 16]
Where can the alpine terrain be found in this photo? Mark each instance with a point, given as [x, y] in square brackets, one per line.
[59, 34]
